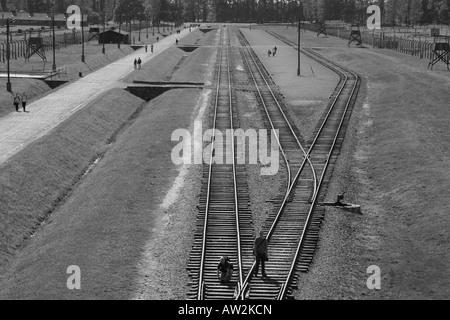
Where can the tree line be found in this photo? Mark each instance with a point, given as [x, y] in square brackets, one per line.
[394, 12]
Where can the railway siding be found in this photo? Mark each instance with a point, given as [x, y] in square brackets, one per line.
[294, 229]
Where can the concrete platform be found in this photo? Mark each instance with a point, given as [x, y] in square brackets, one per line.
[307, 95]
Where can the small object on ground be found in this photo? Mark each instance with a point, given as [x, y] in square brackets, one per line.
[224, 270]
[346, 206]
[340, 197]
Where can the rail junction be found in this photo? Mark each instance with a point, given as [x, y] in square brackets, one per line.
[224, 224]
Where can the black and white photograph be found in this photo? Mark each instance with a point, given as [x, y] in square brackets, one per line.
[216, 157]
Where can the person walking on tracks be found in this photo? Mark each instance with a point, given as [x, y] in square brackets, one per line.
[24, 101]
[139, 62]
[260, 251]
[224, 270]
[151, 48]
[16, 102]
[269, 53]
[146, 48]
[274, 51]
[135, 64]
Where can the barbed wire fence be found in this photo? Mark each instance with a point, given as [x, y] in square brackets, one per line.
[402, 40]
[20, 48]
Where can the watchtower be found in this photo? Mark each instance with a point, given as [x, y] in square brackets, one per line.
[441, 51]
[355, 35]
[35, 46]
[321, 29]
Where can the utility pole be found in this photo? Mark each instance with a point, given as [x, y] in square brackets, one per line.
[83, 58]
[53, 40]
[250, 18]
[140, 20]
[298, 46]
[120, 26]
[8, 84]
[146, 16]
[104, 29]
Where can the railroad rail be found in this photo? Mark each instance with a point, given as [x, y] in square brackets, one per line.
[294, 228]
[224, 225]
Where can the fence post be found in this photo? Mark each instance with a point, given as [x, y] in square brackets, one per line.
[421, 49]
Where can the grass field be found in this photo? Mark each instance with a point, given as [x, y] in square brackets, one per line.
[105, 224]
[56, 162]
[68, 56]
[176, 65]
[69, 59]
[68, 62]
[395, 165]
[160, 68]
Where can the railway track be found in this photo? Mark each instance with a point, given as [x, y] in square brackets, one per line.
[224, 225]
[293, 230]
